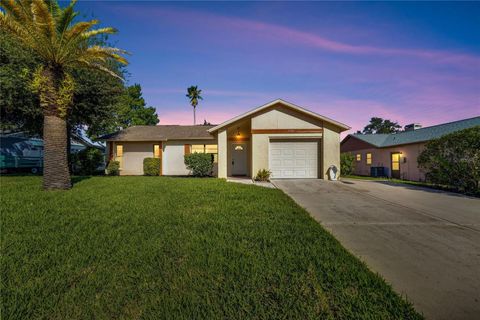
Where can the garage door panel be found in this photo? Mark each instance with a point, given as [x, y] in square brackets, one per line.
[276, 152]
[300, 152]
[300, 173]
[275, 163]
[293, 159]
[300, 163]
[287, 173]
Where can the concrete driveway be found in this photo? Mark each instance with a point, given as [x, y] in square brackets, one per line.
[424, 242]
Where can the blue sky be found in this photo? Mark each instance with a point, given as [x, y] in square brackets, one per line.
[409, 62]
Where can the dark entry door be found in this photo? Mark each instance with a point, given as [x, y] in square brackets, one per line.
[396, 165]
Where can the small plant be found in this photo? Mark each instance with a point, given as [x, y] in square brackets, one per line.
[87, 161]
[347, 163]
[151, 166]
[113, 168]
[201, 164]
[263, 175]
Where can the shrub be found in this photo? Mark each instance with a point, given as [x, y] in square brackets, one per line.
[113, 168]
[347, 163]
[454, 160]
[263, 175]
[87, 161]
[200, 164]
[151, 166]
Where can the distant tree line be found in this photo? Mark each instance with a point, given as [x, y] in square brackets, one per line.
[378, 125]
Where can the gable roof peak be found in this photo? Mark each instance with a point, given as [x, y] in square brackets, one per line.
[344, 127]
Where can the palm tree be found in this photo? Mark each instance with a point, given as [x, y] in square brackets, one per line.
[61, 45]
[194, 94]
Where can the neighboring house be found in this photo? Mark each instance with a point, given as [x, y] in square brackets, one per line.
[396, 154]
[21, 152]
[290, 141]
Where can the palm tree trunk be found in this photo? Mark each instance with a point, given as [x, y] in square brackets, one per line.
[194, 120]
[55, 161]
[69, 149]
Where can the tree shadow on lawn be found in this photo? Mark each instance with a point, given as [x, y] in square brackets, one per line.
[78, 179]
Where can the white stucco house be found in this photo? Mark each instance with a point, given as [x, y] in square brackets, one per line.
[290, 141]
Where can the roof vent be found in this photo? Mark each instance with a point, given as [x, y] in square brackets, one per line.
[412, 126]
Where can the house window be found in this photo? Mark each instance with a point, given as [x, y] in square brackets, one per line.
[213, 150]
[369, 158]
[119, 155]
[119, 150]
[206, 148]
[198, 148]
[156, 151]
[359, 157]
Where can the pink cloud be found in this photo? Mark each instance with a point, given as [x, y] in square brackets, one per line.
[251, 29]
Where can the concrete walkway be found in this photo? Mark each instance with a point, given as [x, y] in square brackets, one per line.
[426, 243]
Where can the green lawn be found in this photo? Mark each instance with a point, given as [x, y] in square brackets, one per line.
[177, 248]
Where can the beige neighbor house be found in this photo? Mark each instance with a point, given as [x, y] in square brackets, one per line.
[395, 155]
[290, 141]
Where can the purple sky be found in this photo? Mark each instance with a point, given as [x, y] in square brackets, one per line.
[409, 62]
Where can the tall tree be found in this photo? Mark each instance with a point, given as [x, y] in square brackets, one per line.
[101, 103]
[194, 94]
[132, 109]
[379, 125]
[60, 44]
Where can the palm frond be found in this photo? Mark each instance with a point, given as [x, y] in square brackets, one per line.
[92, 33]
[103, 54]
[14, 27]
[77, 29]
[52, 6]
[43, 18]
[108, 49]
[65, 18]
[47, 29]
[14, 8]
[100, 67]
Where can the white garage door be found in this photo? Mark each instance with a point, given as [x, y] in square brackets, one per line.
[293, 159]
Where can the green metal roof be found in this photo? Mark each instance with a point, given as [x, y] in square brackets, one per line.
[417, 135]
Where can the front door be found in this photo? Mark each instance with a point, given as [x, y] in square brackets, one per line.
[239, 159]
[396, 165]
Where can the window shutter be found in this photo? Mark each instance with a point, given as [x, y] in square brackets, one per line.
[187, 149]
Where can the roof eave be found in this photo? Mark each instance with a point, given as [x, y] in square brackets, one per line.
[342, 126]
[356, 137]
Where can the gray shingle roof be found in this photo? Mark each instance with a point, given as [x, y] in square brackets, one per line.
[418, 135]
[160, 133]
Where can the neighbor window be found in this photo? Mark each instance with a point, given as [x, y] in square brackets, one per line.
[359, 157]
[206, 148]
[156, 151]
[369, 158]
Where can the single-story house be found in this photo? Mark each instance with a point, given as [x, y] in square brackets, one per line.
[396, 154]
[290, 141]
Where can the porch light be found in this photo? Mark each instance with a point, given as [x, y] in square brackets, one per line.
[238, 132]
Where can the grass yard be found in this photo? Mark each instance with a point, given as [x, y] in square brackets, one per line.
[177, 248]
